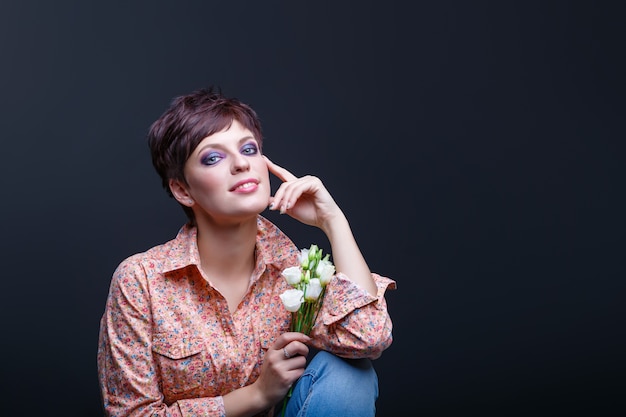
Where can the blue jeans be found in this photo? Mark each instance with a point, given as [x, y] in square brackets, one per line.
[333, 386]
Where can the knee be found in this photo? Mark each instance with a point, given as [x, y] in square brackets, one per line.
[353, 375]
[339, 387]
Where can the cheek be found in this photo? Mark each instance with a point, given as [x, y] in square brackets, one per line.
[264, 175]
[205, 184]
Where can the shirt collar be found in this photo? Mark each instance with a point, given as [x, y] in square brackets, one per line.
[273, 247]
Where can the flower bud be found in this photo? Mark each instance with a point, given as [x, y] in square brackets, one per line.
[313, 252]
[303, 257]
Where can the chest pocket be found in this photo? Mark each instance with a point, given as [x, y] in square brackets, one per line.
[181, 361]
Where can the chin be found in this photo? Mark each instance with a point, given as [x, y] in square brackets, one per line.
[251, 206]
[253, 209]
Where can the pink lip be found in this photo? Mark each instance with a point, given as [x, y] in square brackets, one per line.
[246, 189]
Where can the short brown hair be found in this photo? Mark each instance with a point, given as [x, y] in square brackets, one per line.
[188, 120]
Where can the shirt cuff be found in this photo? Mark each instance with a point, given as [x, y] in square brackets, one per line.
[343, 296]
[210, 407]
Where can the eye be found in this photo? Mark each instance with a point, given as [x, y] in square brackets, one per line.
[249, 149]
[211, 158]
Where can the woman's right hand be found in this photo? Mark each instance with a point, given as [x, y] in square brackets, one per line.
[283, 364]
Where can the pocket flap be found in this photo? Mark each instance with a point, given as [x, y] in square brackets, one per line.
[176, 347]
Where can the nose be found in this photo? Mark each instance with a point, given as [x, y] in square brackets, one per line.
[240, 163]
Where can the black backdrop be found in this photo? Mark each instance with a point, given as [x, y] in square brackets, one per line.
[477, 148]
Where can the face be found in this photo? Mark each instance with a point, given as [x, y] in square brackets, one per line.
[227, 177]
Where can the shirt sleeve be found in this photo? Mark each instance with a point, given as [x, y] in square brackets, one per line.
[127, 373]
[353, 323]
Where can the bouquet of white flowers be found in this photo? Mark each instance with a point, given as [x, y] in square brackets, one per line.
[305, 299]
[309, 281]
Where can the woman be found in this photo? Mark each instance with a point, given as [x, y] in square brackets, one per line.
[195, 326]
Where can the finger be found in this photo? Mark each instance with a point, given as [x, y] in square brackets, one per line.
[289, 193]
[289, 337]
[279, 171]
[294, 349]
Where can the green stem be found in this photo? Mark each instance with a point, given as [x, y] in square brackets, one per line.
[285, 400]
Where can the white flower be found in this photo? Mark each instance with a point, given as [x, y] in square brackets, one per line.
[292, 299]
[292, 275]
[325, 270]
[313, 290]
[304, 258]
[304, 301]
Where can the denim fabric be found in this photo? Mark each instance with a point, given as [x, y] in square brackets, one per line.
[333, 386]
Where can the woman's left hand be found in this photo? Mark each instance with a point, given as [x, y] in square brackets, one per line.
[305, 199]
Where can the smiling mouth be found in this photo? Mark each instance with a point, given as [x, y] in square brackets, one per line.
[245, 186]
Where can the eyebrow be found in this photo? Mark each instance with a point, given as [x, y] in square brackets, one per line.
[219, 145]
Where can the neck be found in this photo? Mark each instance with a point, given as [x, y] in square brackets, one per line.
[227, 250]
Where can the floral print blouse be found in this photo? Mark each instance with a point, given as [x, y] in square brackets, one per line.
[170, 346]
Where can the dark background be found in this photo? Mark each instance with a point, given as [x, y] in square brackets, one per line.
[476, 147]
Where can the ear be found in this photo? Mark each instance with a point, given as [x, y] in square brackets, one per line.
[181, 193]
